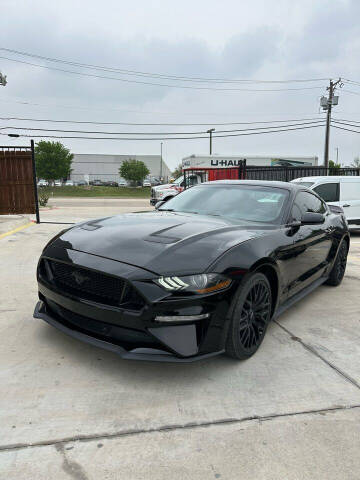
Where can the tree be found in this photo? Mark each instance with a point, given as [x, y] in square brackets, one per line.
[356, 162]
[177, 172]
[53, 160]
[133, 170]
[333, 166]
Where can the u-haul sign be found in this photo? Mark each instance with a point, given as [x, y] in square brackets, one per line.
[222, 161]
[211, 162]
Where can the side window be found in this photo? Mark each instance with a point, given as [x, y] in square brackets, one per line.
[296, 213]
[350, 191]
[306, 202]
[328, 191]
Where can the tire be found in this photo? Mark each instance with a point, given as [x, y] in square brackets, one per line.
[338, 270]
[250, 315]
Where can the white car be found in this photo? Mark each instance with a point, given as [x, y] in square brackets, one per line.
[146, 183]
[122, 183]
[58, 183]
[69, 183]
[169, 190]
[342, 191]
[43, 183]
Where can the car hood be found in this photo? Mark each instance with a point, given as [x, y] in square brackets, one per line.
[160, 242]
[163, 185]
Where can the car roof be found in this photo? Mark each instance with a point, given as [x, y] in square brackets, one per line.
[260, 183]
[329, 178]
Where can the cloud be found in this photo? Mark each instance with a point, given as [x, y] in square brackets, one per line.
[258, 39]
[245, 53]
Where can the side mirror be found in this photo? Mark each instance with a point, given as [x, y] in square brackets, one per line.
[158, 204]
[312, 218]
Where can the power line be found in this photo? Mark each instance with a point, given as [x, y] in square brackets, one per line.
[156, 124]
[137, 112]
[169, 138]
[347, 129]
[157, 75]
[347, 80]
[350, 91]
[157, 84]
[346, 122]
[156, 133]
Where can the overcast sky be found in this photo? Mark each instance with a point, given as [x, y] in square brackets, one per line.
[261, 39]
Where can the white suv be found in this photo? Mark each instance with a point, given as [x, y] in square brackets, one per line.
[343, 191]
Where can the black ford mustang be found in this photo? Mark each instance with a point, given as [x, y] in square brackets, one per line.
[201, 275]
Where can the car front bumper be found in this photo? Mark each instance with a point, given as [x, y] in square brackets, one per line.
[137, 334]
[143, 354]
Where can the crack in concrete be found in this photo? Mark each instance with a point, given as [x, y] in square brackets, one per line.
[317, 354]
[351, 277]
[60, 443]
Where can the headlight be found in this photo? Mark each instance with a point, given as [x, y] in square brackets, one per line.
[202, 283]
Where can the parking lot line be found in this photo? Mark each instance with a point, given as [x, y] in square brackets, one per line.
[6, 234]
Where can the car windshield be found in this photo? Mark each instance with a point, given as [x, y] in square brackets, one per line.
[252, 203]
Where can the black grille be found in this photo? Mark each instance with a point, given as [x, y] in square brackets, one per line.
[91, 285]
[101, 329]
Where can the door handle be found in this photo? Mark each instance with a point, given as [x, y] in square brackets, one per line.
[346, 205]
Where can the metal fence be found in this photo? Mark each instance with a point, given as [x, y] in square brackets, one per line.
[273, 173]
[18, 193]
[286, 174]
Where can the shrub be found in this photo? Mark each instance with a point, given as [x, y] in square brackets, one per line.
[43, 199]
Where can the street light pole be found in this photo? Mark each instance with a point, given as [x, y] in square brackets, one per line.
[337, 154]
[161, 145]
[210, 132]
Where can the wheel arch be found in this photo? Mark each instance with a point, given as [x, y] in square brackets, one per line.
[346, 238]
[268, 267]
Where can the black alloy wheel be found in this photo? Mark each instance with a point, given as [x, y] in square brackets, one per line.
[250, 316]
[338, 271]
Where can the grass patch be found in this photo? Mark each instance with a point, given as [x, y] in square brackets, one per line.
[92, 191]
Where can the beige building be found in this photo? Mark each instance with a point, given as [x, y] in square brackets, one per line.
[106, 167]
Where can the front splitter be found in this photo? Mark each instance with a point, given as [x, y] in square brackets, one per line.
[142, 354]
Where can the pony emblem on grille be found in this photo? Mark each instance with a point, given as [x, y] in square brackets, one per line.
[79, 278]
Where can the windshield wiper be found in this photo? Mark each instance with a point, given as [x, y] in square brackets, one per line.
[166, 210]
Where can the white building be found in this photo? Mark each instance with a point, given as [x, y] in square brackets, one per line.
[224, 161]
[106, 167]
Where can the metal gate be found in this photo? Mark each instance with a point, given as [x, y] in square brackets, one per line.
[18, 191]
[248, 172]
[286, 174]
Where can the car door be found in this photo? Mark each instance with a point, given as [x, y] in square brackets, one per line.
[350, 201]
[308, 254]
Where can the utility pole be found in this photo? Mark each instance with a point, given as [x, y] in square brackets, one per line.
[337, 154]
[210, 132]
[327, 104]
[3, 80]
[161, 144]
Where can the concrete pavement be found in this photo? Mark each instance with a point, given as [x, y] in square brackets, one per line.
[70, 410]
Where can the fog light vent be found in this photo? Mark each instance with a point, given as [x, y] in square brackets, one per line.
[181, 318]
